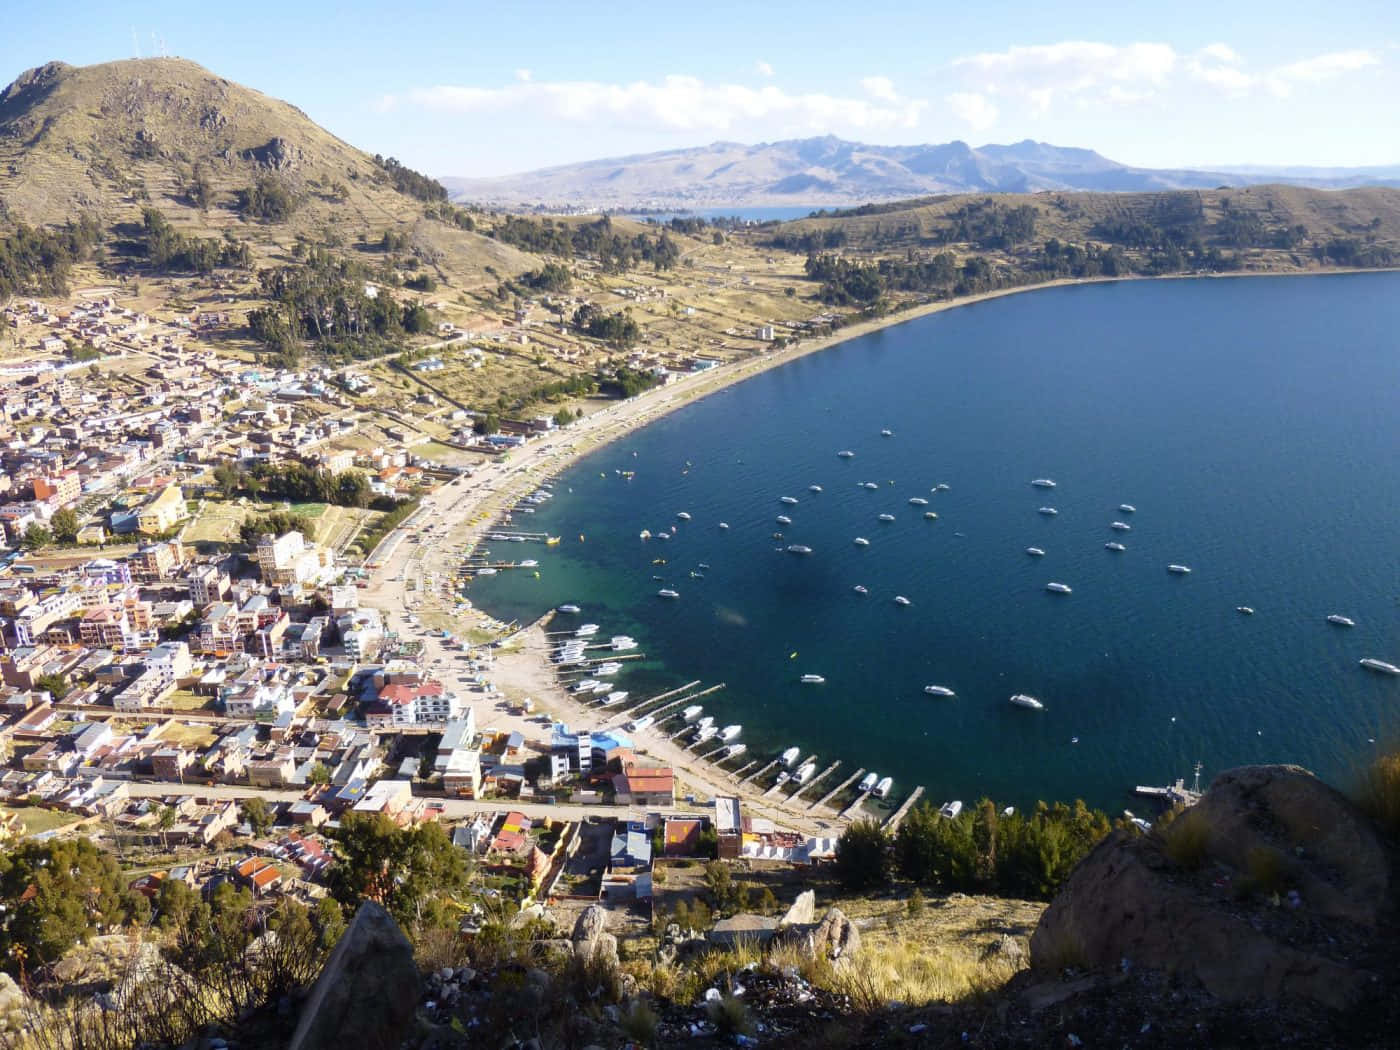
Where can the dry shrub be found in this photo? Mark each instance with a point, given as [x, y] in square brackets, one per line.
[1186, 839]
[1380, 792]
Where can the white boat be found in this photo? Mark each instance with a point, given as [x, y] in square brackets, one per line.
[1180, 570]
[782, 779]
[812, 679]
[860, 588]
[529, 563]
[1247, 610]
[867, 782]
[942, 486]
[884, 787]
[639, 724]
[918, 501]
[486, 572]
[1035, 552]
[887, 433]
[790, 500]
[861, 541]
[1043, 483]
[569, 609]
[666, 592]
[939, 690]
[607, 669]
[869, 485]
[1022, 700]
[586, 631]
[729, 733]
[691, 713]
[684, 516]
[797, 548]
[950, 809]
[645, 534]
[1341, 621]
[1049, 512]
[1113, 546]
[1059, 588]
[814, 488]
[845, 453]
[602, 687]
[585, 686]
[783, 519]
[790, 756]
[705, 734]
[1127, 508]
[705, 723]
[724, 524]
[899, 599]
[887, 517]
[804, 773]
[1379, 665]
[614, 698]
[622, 645]
[930, 515]
[734, 751]
[1121, 526]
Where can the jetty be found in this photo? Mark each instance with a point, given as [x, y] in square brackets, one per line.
[741, 770]
[636, 708]
[765, 769]
[774, 789]
[836, 790]
[1177, 794]
[898, 815]
[801, 788]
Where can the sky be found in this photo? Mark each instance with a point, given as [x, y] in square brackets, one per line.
[478, 89]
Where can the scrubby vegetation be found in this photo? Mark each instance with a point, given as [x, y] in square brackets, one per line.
[38, 261]
[166, 249]
[614, 252]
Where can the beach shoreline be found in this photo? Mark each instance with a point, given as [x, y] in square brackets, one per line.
[469, 508]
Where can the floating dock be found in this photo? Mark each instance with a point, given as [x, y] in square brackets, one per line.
[836, 790]
[802, 788]
[893, 823]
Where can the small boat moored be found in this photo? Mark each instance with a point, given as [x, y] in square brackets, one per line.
[1121, 526]
[1023, 700]
[1043, 483]
[899, 599]
[1049, 512]
[789, 500]
[939, 690]
[798, 548]
[887, 518]
[1180, 570]
[1341, 621]
[868, 782]
[861, 541]
[1114, 546]
[569, 609]
[691, 713]
[949, 810]
[1245, 610]
[1379, 665]
[860, 588]
[1059, 588]
[790, 756]
[812, 679]
[845, 453]
[1035, 552]
[666, 592]
[884, 787]
[1127, 508]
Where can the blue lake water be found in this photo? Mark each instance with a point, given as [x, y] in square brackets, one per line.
[1254, 424]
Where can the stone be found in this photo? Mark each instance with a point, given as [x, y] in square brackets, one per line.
[802, 912]
[11, 995]
[366, 993]
[1128, 900]
[1007, 949]
[591, 923]
[835, 937]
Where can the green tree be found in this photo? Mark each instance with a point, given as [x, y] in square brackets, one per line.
[166, 820]
[862, 856]
[319, 775]
[256, 813]
[54, 683]
[410, 871]
[36, 537]
[64, 524]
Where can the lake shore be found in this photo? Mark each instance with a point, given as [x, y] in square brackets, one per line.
[524, 668]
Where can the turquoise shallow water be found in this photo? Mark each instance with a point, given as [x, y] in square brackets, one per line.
[1254, 424]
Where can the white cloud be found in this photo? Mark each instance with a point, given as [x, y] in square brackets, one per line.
[523, 75]
[1041, 73]
[881, 88]
[1218, 67]
[679, 103]
[972, 109]
[763, 69]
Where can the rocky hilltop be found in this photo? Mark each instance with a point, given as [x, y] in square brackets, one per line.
[1263, 917]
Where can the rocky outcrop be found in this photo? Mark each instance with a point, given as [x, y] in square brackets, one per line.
[1269, 888]
[591, 937]
[277, 154]
[835, 937]
[803, 910]
[367, 991]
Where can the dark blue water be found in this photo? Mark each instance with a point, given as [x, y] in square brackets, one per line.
[1255, 424]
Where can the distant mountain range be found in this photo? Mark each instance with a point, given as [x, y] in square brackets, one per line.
[832, 171]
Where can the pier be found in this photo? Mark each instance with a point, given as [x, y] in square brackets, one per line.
[636, 708]
[892, 824]
[765, 769]
[774, 789]
[836, 790]
[814, 781]
[740, 771]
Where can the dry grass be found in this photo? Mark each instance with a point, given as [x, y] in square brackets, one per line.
[1380, 792]
[1186, 839]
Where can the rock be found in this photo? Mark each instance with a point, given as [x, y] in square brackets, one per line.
[1007, 949]
[803, 910]
[591, 923]
[367, 991]
[537, 978]
[1128, 900]
[835, 937]
[1039, 997]
[12, 996]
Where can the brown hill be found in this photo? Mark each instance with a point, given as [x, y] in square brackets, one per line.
[114, 138]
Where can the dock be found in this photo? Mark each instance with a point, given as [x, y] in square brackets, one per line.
[1177, 794]
[656, 711]
[740, 771]
[836, 790]
[801, 788]
[774, 789]
[636, 708]
[765, 769]
[892, 824]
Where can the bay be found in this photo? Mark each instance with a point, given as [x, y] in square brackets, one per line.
[1254, 425]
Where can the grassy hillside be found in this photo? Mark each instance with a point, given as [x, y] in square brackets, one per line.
[113, 139]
